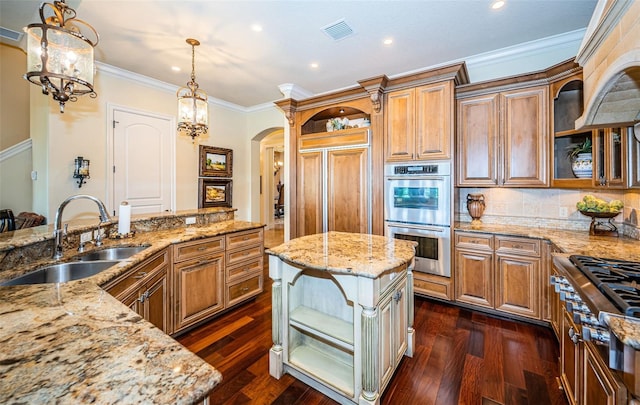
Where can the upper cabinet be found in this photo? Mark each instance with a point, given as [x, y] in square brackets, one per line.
[502, 137]
[419, 123]
[419, 114]
[584, 158]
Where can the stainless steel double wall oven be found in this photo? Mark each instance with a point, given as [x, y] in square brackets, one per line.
[418, 208]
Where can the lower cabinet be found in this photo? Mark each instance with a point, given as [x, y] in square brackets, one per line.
[199, 281]
[499, 272]
[208, 276]
[213, 274]
[393, 327]
[146, 290]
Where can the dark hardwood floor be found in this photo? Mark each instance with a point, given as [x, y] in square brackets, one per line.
[461, 357]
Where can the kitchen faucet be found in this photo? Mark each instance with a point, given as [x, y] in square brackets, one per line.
[59, 233]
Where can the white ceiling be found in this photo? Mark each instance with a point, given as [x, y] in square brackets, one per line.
[244, 67]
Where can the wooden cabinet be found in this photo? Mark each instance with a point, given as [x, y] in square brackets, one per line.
[334, 183]
[599, 385]
[244, 263]
[199, 280]
[146, 290]
[571, 359]
[214, 274]
[499, 272]
[608, 159]
[419, 123]
[502, 138]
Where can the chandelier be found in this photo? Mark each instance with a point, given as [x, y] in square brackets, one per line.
[59, 55]
[193, 109]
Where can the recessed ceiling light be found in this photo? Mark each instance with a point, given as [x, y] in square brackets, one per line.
[175, 68]
[256, 27]
[497, 4]
[388, 41]
[314, 65]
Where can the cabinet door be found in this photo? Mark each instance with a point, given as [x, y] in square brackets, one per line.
[474, 284]
[348, 190]
[434, 112]
[199, 289]
[610, 158]
[524, 137]
[570, 360]
[400, 325]
[478, 141]
[598, 383]
[155, 308]
[310, 190]
[400, 135]
[387, 352]
[517, 285]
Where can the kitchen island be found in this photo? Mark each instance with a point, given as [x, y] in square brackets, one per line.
[342, 312]
[75, 343]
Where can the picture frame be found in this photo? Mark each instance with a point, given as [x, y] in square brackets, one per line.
[216, 162]
[215, 193]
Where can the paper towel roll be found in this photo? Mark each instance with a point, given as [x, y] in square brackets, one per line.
[124, 218]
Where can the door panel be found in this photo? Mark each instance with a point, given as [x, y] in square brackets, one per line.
[142, 162]
[310, 190]
[347, 190]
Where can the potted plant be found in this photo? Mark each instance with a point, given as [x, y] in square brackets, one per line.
[581, 159]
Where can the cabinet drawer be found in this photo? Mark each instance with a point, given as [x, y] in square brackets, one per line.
[189, 250]
[243, 289]
[245, 269]
[520, 246]
[477, 241]
[137, 274]
[245, 238]
[245, 254]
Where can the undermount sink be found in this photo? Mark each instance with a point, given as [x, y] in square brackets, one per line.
[112, 253]
[60, 273]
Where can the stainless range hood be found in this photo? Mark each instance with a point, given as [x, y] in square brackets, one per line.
[610, 58]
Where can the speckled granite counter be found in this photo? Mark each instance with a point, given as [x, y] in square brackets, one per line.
[627, 330]
[74, 343]
[350, 253]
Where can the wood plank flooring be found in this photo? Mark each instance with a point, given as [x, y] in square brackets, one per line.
[461, 357]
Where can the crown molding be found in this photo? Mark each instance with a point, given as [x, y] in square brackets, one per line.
[157, 84]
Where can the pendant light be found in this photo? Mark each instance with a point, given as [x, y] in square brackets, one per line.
[59, 55]
[193, 109]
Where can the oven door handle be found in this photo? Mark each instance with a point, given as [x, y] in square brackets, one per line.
[417, 227]
[440, 178]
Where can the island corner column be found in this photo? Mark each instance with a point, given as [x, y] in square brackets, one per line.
[276, 367]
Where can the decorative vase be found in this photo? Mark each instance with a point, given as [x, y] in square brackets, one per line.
[475, 206]
[582, 166]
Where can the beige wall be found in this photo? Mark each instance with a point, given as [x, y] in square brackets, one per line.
[15, 154]
[85, 126]
[14, 97]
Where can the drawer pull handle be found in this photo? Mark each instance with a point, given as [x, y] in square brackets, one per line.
[201, 248]
[201, 262]
[140, 275]
[245, 238]
[244, 289]
[518, 247]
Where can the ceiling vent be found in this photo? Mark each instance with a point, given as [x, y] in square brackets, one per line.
[10, 34]
[338, 30]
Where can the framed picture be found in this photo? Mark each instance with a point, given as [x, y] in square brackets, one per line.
[214, 193]
[215, 162]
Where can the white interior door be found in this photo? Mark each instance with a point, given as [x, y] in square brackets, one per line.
[142, 162]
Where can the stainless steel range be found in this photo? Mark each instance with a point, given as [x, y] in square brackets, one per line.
[593, 290]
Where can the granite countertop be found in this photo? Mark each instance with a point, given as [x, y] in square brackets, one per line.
[626, 329]
[74, 343]
[347, 253]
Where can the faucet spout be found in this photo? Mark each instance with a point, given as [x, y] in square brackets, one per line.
[59, 233]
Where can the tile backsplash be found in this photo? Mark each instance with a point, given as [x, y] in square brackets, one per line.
[545, 208]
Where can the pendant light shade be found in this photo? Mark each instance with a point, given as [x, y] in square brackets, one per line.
[59, 55]
[193, 108]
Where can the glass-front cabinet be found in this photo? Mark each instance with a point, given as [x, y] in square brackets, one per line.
[591, 158]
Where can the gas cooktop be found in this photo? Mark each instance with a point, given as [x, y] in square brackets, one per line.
[617, 279]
